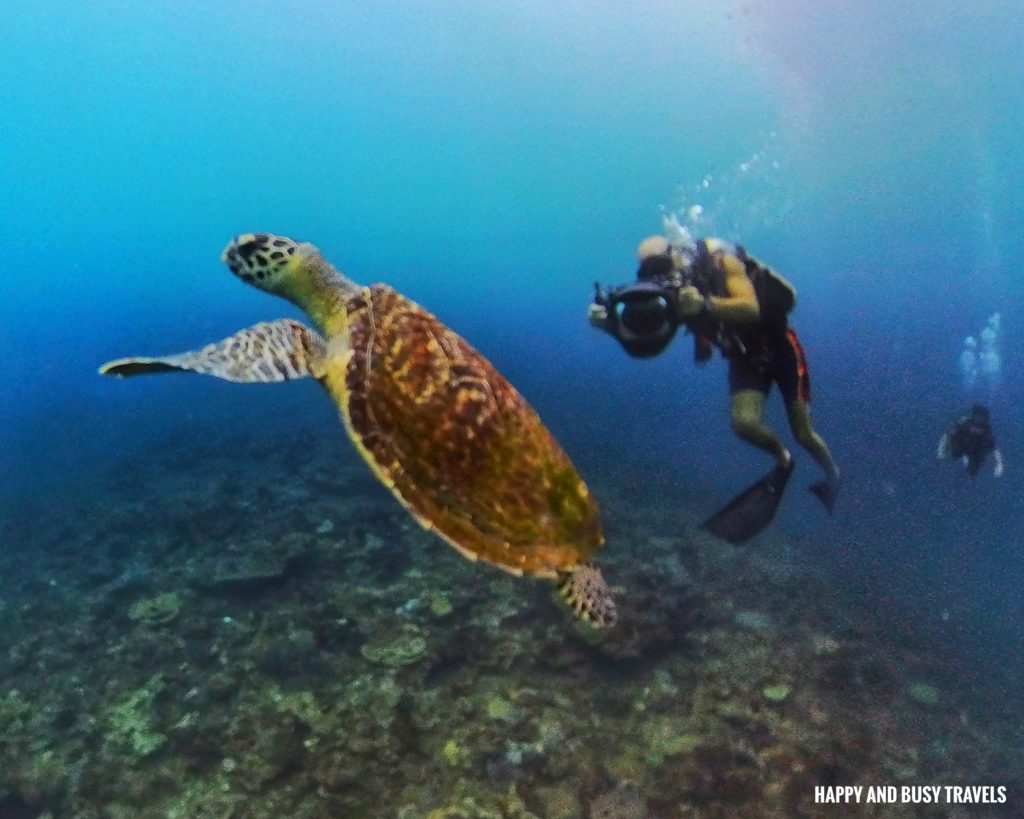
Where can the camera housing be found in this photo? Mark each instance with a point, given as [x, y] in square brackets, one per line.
[641, 315]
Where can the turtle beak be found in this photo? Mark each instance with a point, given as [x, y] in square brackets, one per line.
[241, 249]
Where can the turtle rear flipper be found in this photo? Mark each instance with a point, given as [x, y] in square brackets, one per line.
[268, 352]
[588, 595]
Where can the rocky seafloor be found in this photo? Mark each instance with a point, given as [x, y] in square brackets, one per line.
[267, 634]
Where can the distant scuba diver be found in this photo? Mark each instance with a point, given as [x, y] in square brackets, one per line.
[970, 440]
[728, 300]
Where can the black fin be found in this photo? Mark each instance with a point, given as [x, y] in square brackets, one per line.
[753, 509]
[827, 492]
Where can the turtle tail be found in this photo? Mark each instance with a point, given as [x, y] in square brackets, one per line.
[587, 594]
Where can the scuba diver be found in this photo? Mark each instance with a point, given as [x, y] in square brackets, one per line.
[728, 300]
[971, 440]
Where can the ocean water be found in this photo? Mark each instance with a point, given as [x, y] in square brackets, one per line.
[491, 161]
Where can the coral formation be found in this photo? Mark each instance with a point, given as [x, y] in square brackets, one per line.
[395, 650]
[923, 693]
[131, 723]
[156, 611]
[777, 693]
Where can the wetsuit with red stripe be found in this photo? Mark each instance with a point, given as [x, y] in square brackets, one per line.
[771, 358]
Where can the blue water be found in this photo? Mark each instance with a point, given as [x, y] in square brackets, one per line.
[491, 161]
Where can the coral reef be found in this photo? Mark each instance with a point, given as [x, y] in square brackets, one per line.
[131, 723]
[310, 652]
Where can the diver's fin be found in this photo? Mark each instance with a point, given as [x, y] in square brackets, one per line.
[264, 353]
[753, 509]
[827, 492]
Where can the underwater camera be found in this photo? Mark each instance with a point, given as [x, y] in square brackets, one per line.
[641, 316]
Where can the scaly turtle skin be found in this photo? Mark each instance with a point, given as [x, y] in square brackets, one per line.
[451, 438]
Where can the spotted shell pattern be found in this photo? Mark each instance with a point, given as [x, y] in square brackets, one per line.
[456, 443]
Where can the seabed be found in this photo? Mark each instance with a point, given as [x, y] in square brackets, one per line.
[266, 633]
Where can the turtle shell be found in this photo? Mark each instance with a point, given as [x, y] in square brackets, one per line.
[456, 443]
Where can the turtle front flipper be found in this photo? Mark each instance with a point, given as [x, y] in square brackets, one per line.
[587, 593]
[268, 352]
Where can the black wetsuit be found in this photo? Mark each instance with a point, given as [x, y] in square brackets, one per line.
[971, 437]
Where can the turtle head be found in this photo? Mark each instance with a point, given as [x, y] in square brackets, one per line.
[265, 261]
[293, 270]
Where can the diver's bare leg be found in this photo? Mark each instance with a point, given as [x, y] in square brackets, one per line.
[800, 422]
[748, 424]
[799, 413]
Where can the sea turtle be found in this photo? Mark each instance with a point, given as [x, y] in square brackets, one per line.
[439, 426]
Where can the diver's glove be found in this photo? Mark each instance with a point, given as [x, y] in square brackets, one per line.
[689, 302]
[597, 315]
